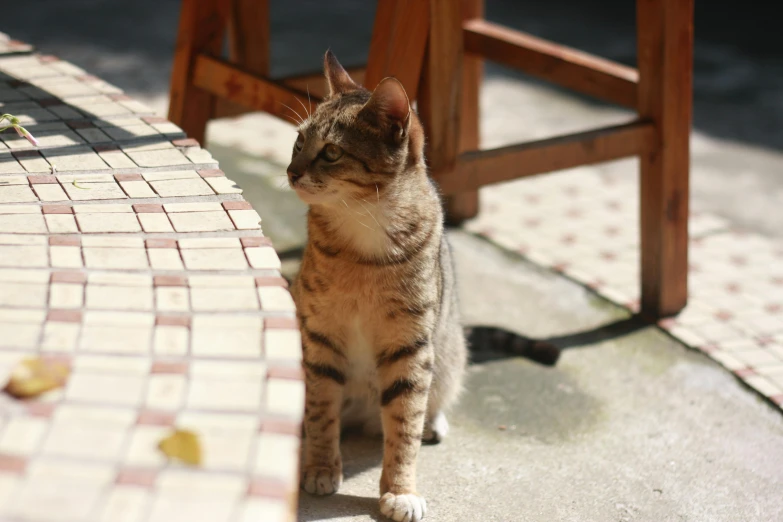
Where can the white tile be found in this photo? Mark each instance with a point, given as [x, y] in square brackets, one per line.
[263, 258]
[155, 223]
[211, 221]
[214, 259]
[277, 455]
[285, 397]
[119, 298]
[165, 259]
[172, 299]
[84, 441]
[166, 391]
[138, 189]
[66, 256]
[223, 394]
[60, 337]
[210, 242]
[245, 219]
[143, 447]
[171, 340]
[124, 390]
[276, 299]
[223, 299]
[125, 504]
[106, 222]
[113, 241]
[23, 435]
[283, 344]
[61, 224]
[116, 258]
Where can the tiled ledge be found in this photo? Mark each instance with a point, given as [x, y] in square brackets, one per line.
[126, 253]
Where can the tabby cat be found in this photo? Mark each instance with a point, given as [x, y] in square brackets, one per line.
[382, 342]
[376, 298]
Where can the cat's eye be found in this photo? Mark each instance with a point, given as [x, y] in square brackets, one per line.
[299, 142]
[332, 152]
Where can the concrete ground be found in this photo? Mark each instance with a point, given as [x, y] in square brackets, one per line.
[630, 426]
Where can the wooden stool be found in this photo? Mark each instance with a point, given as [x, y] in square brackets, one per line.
[421, 42]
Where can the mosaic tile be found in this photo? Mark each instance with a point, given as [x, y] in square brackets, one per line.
[158, 331]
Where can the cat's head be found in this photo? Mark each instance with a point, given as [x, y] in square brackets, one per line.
[356, 142]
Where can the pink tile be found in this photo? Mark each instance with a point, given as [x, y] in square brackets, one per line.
[161, 243]
[255, 241]
[42, 180]
[170, 281]
[283, 426]
[57, 209]
[281, 322]
[128, 177]
[12, 464]
[64, 316]
[154, 119]
[777, 399]
[105, 148]
[180, 368]
[119, 97]
[156, 418]
[40, 409]
[286, 372]
[271, 281]
[137, 477]
[48, 58]
[172, 320]
[65, 240]
[80, 124]
[211, 173]
[186, 142]
[745, 372]
[148, 208]
[237, 205]
[69, 277]
[267, 487]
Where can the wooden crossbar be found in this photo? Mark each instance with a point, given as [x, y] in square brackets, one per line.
[556, 63]
[231, 83]
[484, 167]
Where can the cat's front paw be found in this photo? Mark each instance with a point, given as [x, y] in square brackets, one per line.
[408, 507]
[321, 480]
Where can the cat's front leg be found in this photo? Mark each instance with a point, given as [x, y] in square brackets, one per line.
[322, 469]
[405, 374]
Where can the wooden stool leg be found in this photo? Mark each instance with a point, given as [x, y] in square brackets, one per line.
[665, 50]
[202, 25]
[441, 85]
[248, 45]
[466, 205]
[399, 40]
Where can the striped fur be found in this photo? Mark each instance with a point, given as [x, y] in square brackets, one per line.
[376, 295]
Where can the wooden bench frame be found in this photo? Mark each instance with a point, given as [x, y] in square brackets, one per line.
[436, 48]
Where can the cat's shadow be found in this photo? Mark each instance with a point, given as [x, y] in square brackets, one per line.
[313, 508]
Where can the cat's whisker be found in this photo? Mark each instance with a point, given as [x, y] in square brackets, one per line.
[378, 193]
[301, 120]
[308, 99]
[362, 223]
[303, 107]
[368, 211]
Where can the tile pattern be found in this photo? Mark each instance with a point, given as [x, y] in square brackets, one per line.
[583, 223]
[126, 252]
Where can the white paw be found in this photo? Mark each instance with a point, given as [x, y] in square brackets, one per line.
[319, 480]
[403, 508]
[436, 429]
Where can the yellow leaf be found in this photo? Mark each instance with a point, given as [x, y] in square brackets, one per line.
[182, 445]
[35, 376]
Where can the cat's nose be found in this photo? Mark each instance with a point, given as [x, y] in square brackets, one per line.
[294, 176]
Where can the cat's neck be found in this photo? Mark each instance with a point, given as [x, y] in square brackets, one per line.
[379, 225]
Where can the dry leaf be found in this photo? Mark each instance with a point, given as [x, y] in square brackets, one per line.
[35, 376]
[182, 445]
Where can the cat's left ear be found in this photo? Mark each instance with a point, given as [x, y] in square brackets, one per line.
[390, 108]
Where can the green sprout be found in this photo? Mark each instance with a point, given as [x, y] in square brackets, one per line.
[21, 131]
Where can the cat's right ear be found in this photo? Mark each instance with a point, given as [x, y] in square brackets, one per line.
[337, 78]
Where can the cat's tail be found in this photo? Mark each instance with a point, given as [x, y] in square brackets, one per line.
[497, 339]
